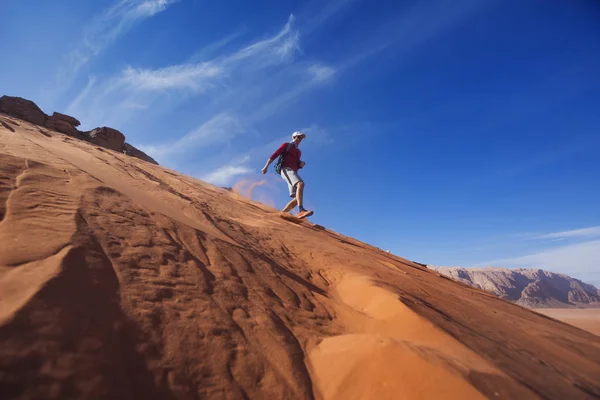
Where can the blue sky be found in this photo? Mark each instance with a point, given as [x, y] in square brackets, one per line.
[450, 132]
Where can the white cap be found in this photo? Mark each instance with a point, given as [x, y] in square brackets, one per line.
[298, 133]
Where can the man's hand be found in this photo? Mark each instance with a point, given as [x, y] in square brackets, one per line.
[301, 164]
[265, 169]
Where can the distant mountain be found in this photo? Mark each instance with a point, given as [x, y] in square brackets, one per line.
[533, 288]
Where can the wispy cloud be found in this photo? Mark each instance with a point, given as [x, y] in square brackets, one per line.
[237, 88]
[82, 94]
[220, 128]
[305, 81]
[212, 50]
[318, 13]
[319, 136]
[404, 32]
[103, 31]
[278, 48]
[188, 76]
[148, 8]
[321, 73]
[107, 27]
[198, 76]
[583, 233]
[226, 174]
[275, 50]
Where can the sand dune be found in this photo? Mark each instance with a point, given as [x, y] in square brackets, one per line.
[123, 279]
[587, 318]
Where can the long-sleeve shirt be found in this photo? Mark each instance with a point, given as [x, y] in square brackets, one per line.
[291, 159]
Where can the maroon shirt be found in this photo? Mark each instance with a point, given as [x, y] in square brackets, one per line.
[291, 159]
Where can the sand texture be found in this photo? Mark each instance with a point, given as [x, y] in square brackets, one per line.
[120, 279]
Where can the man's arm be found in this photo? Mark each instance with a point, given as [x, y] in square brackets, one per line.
[276, 154]
[266, 167]
[301, 163]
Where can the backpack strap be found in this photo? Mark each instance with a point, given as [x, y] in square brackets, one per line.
[279, 163]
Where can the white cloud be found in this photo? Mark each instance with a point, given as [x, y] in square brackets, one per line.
[249, 70]
[278, 48]
[82, 95]
[98, 34]
[149, 8]
[590, 232]
[107, 27]
[317, 135]
[225, 174]
[235, 88]
[320, 72]
[191, 76]
[326, 12]
[220, 128]
[579, 260]
[209, 51]
[412, 28]
[271, 51]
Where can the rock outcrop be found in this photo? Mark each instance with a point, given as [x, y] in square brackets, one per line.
[533, 288]
[106, 137]
[64, 124]
[24, 109]
[132, 151]
[68, 119]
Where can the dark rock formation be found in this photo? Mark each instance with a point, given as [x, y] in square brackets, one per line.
[107, 137]
[132, 151]
[23, 109]
[64, 124]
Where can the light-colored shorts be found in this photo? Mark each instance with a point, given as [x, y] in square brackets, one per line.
[292, 178]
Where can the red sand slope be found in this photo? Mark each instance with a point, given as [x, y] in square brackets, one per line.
[122, 279]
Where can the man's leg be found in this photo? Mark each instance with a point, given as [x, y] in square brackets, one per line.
[290, 206]
[286, 177]
[300, 194]
[296, 186]
[299, 198]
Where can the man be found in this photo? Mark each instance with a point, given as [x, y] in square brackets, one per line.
[289, 173]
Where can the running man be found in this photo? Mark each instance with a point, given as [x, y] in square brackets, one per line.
[289, 172]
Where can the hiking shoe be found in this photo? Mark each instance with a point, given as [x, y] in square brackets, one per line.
[304, 214]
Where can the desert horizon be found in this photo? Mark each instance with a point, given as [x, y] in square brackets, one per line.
[583, 318]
